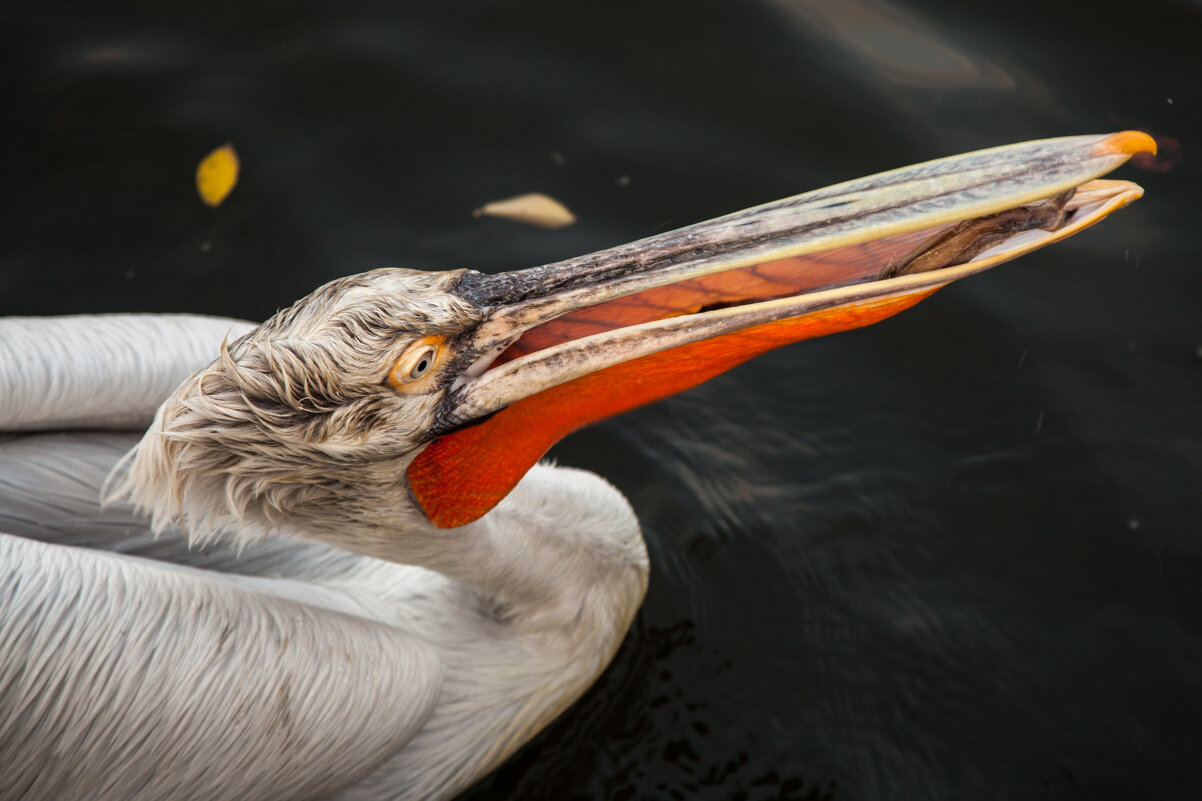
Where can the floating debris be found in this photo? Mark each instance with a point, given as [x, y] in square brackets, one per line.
[534, 208]
[217, 175]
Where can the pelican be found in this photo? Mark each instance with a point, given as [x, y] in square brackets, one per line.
[332, 566]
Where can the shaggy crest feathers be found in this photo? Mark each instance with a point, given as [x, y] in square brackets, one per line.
[292, 427]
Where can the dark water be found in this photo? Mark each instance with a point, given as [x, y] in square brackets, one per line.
[956, 555]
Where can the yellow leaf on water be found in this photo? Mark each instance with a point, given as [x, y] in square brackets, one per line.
[534, 208]
[217, 174]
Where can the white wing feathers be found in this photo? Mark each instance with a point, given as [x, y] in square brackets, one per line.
[50, 491]
[100, 371]
[123, 677]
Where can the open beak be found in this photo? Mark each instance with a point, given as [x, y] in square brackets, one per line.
[566, 344]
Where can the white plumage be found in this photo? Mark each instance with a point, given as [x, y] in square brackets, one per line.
[138, 667]
[100, 371]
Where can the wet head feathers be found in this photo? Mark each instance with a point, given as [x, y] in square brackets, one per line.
[292, 427]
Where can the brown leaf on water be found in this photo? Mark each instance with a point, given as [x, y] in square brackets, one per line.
[533, 208]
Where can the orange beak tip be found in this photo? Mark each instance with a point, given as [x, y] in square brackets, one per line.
[1127, 143]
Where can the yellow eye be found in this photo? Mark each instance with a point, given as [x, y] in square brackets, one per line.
[417, 363]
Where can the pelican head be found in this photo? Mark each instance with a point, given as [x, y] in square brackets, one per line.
[309, 421]
[400, 398]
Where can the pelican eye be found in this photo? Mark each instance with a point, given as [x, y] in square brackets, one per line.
[423, 365]
[412, 371]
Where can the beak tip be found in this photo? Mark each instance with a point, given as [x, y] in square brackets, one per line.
[1126, 143]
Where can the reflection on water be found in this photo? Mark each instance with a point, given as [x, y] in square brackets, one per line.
[893, 44]
[895, 563]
